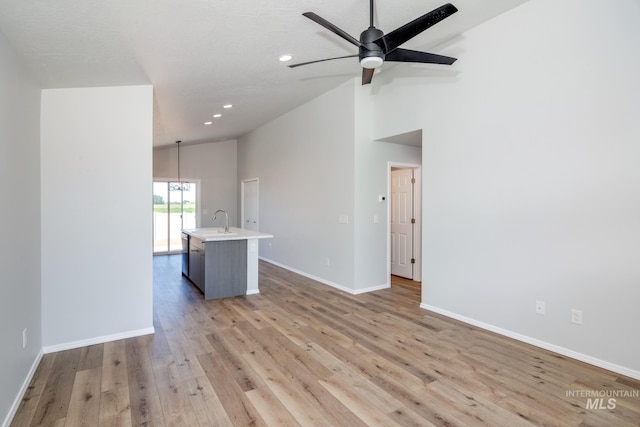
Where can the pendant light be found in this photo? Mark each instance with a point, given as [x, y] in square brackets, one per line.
[179, 182]
[181, 189]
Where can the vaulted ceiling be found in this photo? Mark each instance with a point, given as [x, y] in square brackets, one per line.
[200, 55]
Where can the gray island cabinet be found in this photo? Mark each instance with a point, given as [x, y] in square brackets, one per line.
[223, 264]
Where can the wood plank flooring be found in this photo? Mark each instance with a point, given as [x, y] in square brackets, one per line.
[304, 354]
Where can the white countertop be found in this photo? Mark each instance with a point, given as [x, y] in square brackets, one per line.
[217, 233]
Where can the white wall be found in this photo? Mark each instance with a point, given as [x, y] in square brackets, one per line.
[96, 148]
[215, 165]
[372, 160]
[304, 161]
[318, 163]
[371, 165]
[532, 175]
[20, 296]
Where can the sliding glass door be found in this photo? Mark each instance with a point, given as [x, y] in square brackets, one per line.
[174, 208]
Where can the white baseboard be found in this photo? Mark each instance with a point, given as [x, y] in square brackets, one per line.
[538, 343]
[327, 282]
[23, 390]
[253, 292]
[97, 340]
[310, 276]
[372, 289]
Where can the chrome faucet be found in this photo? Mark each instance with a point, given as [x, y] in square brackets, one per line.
[226, 221]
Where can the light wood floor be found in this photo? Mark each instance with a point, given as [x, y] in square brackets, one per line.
[301, 353]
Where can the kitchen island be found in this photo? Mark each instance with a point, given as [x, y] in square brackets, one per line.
[222, 263]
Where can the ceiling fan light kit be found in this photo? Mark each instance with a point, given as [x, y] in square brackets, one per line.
[371, 62]
[375, 47]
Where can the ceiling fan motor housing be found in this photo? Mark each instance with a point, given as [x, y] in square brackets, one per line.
[371, 48]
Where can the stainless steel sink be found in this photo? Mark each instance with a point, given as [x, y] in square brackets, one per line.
[216, 232]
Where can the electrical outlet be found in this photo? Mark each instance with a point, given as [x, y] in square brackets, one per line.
[541, 307]
[576, 316]
[328, 262]
[24, 338]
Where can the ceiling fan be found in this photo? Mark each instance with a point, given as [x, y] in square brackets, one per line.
[376, 47]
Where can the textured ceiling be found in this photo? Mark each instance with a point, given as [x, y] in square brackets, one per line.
[202, 54]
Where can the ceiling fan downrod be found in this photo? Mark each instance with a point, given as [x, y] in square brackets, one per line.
[370, 13]
[371, 53]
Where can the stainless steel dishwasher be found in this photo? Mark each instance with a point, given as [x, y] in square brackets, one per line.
[185, 254]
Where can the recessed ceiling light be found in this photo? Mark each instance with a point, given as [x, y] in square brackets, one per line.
[217, 115]
[285, 58]
[228, 106]
[207, 123]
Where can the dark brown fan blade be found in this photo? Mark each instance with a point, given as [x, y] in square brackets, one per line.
[367, 75]
[406, 55]
[329, 26]
[408, 31]
[321, 60]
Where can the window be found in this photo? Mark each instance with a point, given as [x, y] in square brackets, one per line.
[174, 208]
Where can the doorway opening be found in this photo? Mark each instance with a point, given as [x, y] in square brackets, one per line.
[175, 206]
[405, 225]
[249, 208]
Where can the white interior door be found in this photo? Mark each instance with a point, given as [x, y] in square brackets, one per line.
[250, 204]
[402, 222]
